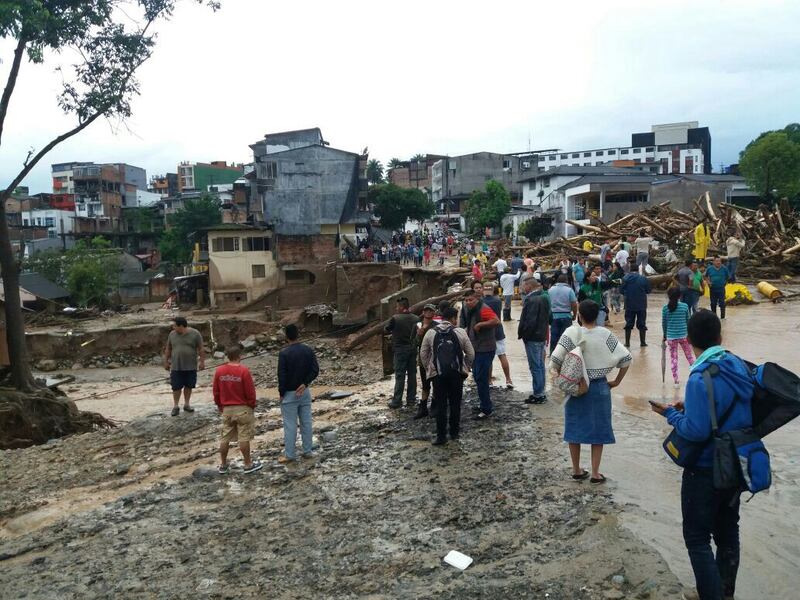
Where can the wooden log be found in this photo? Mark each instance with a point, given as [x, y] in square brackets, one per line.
[709, 207]
[793, 249]
[656, 225]
[362, 336]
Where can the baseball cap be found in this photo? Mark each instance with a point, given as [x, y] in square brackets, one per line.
[429, 307]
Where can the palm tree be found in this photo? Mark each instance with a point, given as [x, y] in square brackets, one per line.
[418, 158]
[394, 163]
[374, 171]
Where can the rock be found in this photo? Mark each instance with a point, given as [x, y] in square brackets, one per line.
[613, 594]
[329, 436]
[248, 344]
[261, 338]
[47, 365]
[219, 355]
[122, 468]
[618, 581]
[205, 473]
[114, 365]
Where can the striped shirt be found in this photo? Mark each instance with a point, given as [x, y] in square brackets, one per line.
[674, 323]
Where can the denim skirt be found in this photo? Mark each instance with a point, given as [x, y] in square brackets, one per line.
[587, 418]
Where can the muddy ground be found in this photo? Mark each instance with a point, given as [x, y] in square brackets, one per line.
[139, 513]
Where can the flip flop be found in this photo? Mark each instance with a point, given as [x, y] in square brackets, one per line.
[601, 479]
[581, 477]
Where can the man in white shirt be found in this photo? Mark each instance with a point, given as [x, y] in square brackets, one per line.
[642, 244]
[507, 282]
[735, 245]
[621, 258]
[500, 266]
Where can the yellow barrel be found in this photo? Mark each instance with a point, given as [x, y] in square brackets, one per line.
[769, 290]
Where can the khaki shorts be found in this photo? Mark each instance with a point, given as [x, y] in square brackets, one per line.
[238, 423]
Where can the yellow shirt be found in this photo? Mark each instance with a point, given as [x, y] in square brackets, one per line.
[587, 245]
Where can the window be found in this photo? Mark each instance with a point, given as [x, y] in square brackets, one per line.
[51, 233]
[551, 157]
[256, 244]
[587, 164]
[531, 185]
[625, 151]
[299, 277]
[564, 156]
[267, 170]
[628, 197]
[599, 153]
[225, 244]
[24, 222]
[585, 154]
[637, 150]
[612, 152]
[506, 164]
[38, 220]
[576, 154]
[650, 149]
[546, 182]
[50, 221]
[259, 271]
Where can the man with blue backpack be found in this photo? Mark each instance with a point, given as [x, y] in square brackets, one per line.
[707, 511]
[447, 356]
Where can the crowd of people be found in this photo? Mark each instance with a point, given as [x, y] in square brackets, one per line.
[419, 248]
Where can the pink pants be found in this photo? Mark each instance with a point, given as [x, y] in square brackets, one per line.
[673, 354]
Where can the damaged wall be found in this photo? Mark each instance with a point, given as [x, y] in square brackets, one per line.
[360, 287]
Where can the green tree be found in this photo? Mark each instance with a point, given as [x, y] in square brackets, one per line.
[185, 226]
[88, 282]
[112, 39]
[772, 163]
[537, 228]
[488, 207]
[394, 163]
[395, 205]
[374, 172]
[418, 158]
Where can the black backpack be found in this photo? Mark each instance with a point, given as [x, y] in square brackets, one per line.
[447, 352]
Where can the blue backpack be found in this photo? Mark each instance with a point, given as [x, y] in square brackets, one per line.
[741, 460]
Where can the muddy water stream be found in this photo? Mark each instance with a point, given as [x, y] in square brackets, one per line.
[647, 483]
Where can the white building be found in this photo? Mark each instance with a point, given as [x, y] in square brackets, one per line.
[146, 199]
[676, 148]
[58, 222]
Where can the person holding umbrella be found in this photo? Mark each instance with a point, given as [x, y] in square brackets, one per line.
[674, 323]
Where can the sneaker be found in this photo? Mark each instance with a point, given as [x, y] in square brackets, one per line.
[530, 399]
[188, 409]
[439, 441]
[395, 405]
[256, 466]
[175, 411]
[309, 455]
[223, 469]
[539, 399]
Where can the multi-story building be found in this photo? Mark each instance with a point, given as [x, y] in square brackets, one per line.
[677, 148]
[62, 174]
[133, 179]
[453, 179]
[98, 198]
[198, 176]
[312, 195]
[414, 173]
[164, 185]
[59, 223]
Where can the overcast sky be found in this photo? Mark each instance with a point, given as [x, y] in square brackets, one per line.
[431, 77]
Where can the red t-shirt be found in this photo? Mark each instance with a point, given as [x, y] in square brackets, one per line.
[487, 314]
[233, 386]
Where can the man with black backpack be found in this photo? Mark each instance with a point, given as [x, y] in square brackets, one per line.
[707, 511]
[447, 356]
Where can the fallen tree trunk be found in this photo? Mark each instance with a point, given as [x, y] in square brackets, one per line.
[362, 336]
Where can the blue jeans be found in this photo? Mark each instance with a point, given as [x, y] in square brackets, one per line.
[717, 297]
[733, 264]
[708, 512]
[294, 408]
[691, 298]
[558, 327]
[481, 367]
[535, 352]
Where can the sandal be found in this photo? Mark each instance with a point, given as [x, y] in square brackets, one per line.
[601, 479]
[223, 469]
[581, 477]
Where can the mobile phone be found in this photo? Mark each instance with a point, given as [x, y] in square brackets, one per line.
[652, 402]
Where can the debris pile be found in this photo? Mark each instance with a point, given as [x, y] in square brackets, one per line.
[772, 235]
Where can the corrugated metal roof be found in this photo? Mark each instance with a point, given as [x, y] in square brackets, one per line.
[41, 287]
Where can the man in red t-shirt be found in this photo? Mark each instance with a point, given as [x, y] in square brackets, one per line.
[235, 397]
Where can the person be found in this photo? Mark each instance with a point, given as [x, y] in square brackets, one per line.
[507, 283]
[716, 277]
[621, 257]
[427, 255]
[702, 238]
[297, 368]
[481, 323]
[592, 289]
[420, 254]
[477, 274]
[184, 348]
[532, 330]
[587, 416]
[493, 302]
[442, 256]
[614, 282]
[674, 319]
[427, 322]
[564, 306]
[579, 273]
[683, 280]
[635, 288]
[516, 263]
[447, 356]
[734, 247]
[500, 265]
[605, 252]
[708, 512]
[235, 397]
[403, 327]
[698, 286]
[642, 244]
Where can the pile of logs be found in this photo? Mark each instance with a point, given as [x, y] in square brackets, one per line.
[772, 235]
